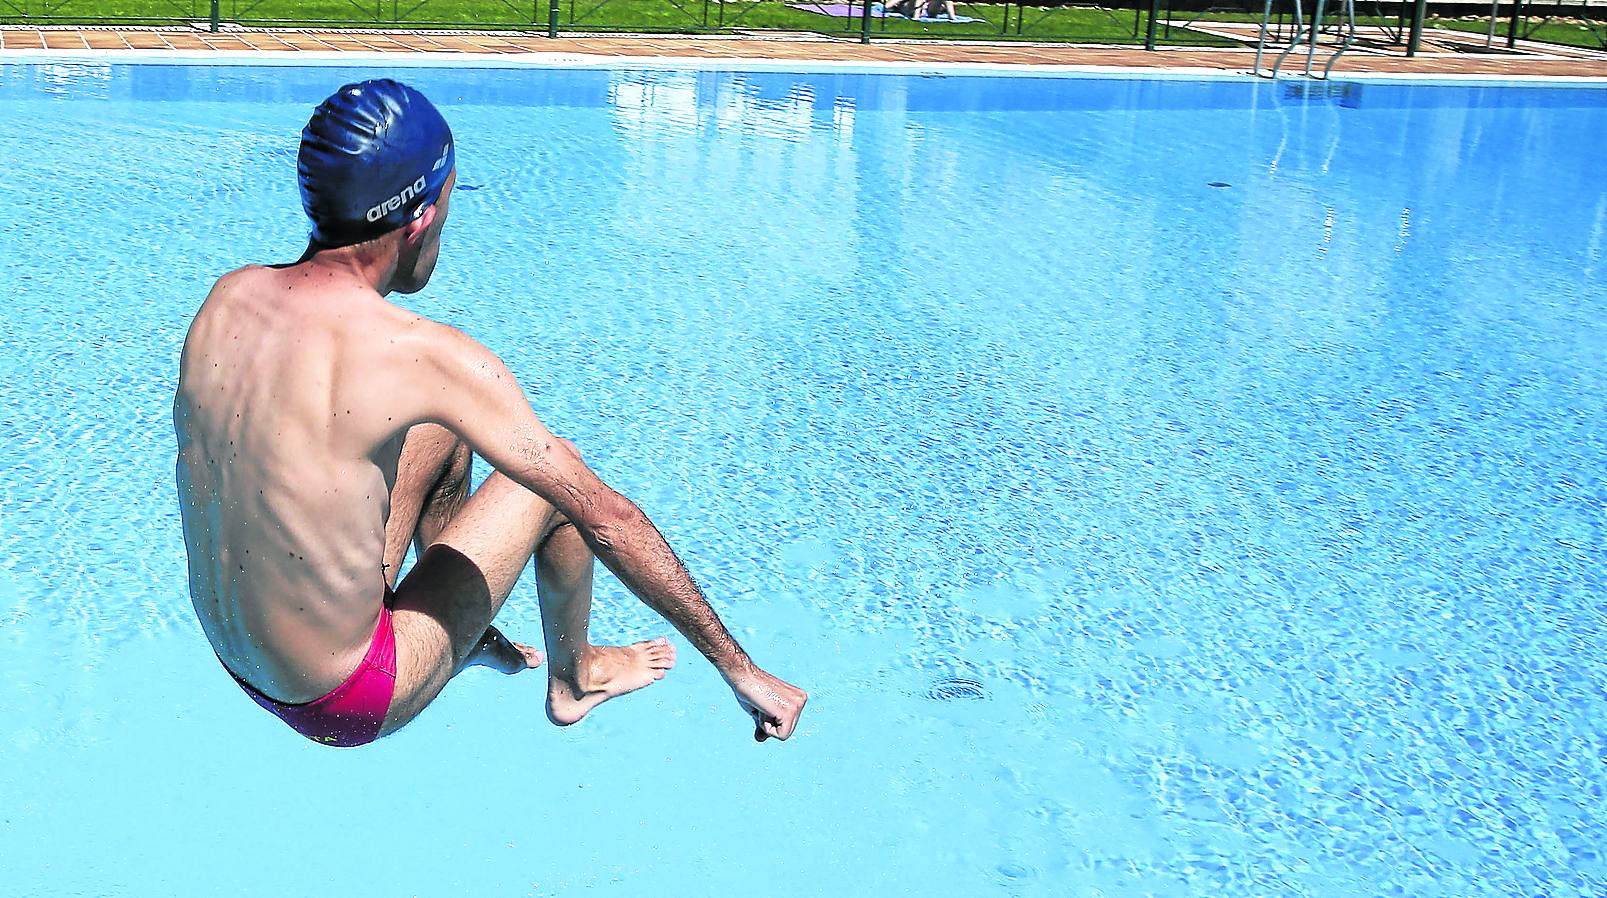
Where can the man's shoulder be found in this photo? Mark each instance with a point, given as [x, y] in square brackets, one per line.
[244, 282]
[299, 289]
[239, 277]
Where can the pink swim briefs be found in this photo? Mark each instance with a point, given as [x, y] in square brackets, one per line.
[353, 713]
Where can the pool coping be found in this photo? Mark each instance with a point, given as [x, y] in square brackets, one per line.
[491, 49]
[540, 60]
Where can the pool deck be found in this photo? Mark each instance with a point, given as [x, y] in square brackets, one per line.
[1447, 53]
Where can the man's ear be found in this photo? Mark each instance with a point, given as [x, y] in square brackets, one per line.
[413, 231]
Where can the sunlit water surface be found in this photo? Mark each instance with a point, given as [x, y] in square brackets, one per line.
[1133, 535]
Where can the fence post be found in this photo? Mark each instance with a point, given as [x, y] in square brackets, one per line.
[552, 18]
[215, 16]
[1149, 33]
[864, 25]
[1512, 30]
[1419, 12]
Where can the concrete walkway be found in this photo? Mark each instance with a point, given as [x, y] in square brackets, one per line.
[1537, 60]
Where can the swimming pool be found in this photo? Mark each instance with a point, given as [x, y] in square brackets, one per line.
[1133, 535]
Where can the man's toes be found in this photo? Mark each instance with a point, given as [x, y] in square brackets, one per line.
[533, 657]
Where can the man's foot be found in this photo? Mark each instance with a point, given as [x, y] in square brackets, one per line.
[606, 672]
[502, 654]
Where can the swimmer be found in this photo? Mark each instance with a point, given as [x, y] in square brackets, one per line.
[321, 429]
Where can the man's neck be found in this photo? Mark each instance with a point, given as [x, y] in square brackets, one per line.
[372, 263]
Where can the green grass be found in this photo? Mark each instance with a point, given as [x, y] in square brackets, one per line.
[1084, 24]
[1592, 36]
[1081, 24]
[1256, 17]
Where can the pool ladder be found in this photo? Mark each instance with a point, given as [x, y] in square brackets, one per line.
[1302, 32]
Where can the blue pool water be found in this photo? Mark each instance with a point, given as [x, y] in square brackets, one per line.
[1133, 536]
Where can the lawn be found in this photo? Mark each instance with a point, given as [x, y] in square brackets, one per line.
[1592, 35]
[999, 22]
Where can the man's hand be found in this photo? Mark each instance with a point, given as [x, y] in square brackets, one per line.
[774, 704]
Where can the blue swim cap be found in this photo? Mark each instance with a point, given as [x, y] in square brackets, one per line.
[372, 157]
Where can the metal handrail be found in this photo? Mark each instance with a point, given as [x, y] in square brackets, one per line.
[1261, 42]
[1311, 45]
[1350, 38]
[1301, 33]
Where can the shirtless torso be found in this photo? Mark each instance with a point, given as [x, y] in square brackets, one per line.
[296, 391]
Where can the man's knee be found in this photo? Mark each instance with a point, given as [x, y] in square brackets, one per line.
[563, 555]
[556, 527]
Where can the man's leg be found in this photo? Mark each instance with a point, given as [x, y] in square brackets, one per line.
[432, 486]
[433, 477]
[446, 604]
[444, 607]
[581, 676]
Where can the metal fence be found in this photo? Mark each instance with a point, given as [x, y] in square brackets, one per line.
[866, 20]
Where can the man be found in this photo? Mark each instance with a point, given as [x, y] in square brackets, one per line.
[320, 428]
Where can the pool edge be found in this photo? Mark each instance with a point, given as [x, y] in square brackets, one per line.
[537, 60]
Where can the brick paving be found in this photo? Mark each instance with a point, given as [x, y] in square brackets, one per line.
[1536, 59]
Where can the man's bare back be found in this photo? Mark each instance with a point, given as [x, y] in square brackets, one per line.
[321, 428]
[291, 411]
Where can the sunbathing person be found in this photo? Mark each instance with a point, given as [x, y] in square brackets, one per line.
[321, 429]
[923, 9]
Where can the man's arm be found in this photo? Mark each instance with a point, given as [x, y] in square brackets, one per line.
[468, 390]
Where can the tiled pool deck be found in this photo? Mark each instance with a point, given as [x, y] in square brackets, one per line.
[1442, 58]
